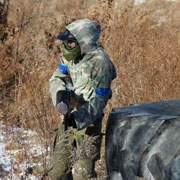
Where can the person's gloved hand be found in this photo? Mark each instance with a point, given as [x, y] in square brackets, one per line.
[71, 120]
[62, 108]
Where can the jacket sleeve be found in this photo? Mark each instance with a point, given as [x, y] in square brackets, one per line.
[58, 81]
[93, 109]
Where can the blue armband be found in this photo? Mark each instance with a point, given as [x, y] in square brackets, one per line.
[102, 91]
[63, 68]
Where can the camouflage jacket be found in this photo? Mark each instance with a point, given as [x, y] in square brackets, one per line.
[89, 77]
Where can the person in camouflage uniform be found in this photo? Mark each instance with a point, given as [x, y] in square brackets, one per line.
[80, 89]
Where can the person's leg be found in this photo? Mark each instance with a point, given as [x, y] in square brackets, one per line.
[88, 143]
[61, 158]
[83, 169]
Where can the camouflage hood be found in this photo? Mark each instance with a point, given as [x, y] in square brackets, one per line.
[86, 33]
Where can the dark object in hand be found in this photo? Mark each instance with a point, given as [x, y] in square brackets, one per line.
[62, 96]
[69, 121]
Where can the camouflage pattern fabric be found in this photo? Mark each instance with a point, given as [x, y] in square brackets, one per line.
[89, 77]
[77, 149]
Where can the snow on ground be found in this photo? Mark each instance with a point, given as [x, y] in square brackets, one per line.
[140, 1]
[21, 152]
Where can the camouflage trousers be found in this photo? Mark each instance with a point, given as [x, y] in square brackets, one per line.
[75, 153]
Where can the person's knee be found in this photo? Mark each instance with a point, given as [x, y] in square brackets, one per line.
[58, 173]
[60, 167]
[83, 169]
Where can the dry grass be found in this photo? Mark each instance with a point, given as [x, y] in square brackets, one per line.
[143, 42]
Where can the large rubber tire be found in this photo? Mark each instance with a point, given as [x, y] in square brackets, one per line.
[143, 141]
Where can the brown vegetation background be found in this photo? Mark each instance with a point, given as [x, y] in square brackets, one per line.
[142, 40]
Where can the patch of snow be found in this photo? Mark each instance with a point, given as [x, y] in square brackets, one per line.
[28, 144]
[143, 1]
[140, 1]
